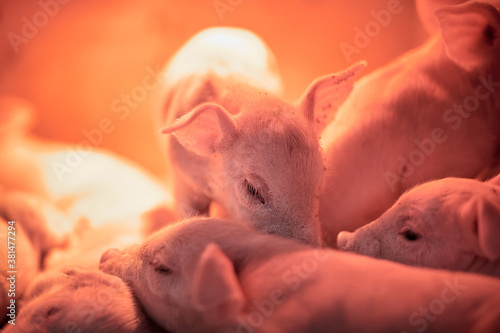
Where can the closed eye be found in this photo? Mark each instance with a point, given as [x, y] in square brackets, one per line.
[254, 193]
[160, 268]
[410, 235]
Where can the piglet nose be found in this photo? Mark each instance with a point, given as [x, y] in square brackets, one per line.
[111, 253]
[342, 240]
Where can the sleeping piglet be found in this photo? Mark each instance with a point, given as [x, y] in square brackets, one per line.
[452, 223]
[215, 275]
[236, 142]
[31, 228]
[77, 300]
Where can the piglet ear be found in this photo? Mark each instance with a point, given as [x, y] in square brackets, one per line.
[215, 289]
[425, 11]
[488, 228]
[325, 95]
[483, 213]
[203, 129]
[471, 34]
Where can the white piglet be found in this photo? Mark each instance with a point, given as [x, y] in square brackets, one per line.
[452, 223]
[432, 113]
[77, 300]
[31, 228]
[221, 276]
[236, 142]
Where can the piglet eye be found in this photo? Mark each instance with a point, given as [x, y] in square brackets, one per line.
[254, 192]
[159, 268]
[411, 235]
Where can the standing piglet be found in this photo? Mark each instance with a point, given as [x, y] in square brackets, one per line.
[236, 142]
[433, 113]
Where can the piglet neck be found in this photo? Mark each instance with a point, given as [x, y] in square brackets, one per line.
[254, 252]
[245, 246]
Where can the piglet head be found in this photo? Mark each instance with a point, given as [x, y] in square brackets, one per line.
[398, 235]
[78, 300]
[156, 279]
[446, 224]
[266, 163]
[182, 279]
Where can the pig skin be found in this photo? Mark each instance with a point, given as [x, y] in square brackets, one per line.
[216, 275]
[408, 122]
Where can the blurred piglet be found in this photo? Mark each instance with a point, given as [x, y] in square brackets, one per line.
[79, 301]
[433, 113]
[452, 223]
[214, 275]
[426, 8]
[235, 141]
[82, 181]
[30, 229]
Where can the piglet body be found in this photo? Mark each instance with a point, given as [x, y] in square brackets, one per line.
[432, 113]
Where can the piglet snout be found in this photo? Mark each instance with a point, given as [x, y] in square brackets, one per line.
[342, 240]
[111, 253]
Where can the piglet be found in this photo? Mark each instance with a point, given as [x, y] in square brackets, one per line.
[236, 142]
[432, 113]
[30, 229]
[83, 182]
[451, 223]
[215, 275]
[79, 301]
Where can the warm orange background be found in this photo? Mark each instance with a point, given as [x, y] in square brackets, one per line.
[92, 51]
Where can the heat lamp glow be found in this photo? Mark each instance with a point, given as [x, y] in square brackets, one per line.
[250, 166]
